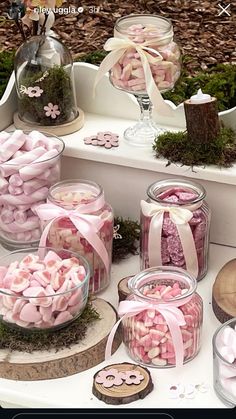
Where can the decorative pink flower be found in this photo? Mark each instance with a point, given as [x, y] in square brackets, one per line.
[91, 140]
[108, 139]
[52, 110]
[133, 377]
[34, 91]
[109, 378]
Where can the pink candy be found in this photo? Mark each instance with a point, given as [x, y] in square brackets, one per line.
[128, 73]
[147, 335]
[34, 301]
[23, 158]
[171, 248]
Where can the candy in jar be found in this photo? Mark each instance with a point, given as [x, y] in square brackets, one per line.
[151, 36]
[162, 317]
[175, 222]
[29, 165]
[224, 353]
[76, 217]
[43, 289]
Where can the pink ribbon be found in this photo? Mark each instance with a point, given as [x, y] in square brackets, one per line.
[169, 310]
[87, 224]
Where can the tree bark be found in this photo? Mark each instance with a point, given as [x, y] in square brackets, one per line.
[202, 121]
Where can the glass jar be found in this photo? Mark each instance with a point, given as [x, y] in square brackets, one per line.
[45, 82]
[152, 39]
[155, 32]
[30, 163]
[224, 355]
[31, 299]
[88, 196]
[170, 235]
[148, 335]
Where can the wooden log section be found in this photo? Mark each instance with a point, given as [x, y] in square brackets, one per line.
[202, 121]
[224, 292]
[44, 365]
[124, 393]
[123, 289]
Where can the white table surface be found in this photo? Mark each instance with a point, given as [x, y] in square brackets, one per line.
[75, 391]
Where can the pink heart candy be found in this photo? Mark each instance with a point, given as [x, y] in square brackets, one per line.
[60, 303]
[30, 314]
[75, 298]
[19, 304]
[20, 281]
[51, 256]
[46, 313]
[63, 317]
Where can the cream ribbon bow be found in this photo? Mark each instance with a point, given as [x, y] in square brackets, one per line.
[180, 217]
[118, 47]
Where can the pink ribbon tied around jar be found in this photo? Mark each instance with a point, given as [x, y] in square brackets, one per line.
[87, 224]
[180, 217]
[118, 47]
[172, 314]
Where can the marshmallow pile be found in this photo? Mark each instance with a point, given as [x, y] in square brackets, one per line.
[226, 345]
[44, 293]
[147, 335]
[64, 234]
[29, 165]
[171, 248]
[128, 72]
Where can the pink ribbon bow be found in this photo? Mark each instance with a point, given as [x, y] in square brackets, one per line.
[87, 224]
[169, 310]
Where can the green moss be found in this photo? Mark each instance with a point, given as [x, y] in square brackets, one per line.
[57, 89]
[176, 148]
[219, 81]
[128, 244]
[94, 57]
[27, 341]
[6, 68]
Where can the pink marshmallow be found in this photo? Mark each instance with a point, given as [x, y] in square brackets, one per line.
[30, 314]
[63, 317]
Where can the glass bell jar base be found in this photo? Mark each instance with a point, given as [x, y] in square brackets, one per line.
[146, 130]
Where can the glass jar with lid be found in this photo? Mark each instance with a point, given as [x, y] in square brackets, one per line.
[148, 62]
[162, 317]
[81, 221]
[175, 223]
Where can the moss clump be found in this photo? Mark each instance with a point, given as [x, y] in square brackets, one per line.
[218, 81]
[6, 68]
[176, 148]
[57, 89]
[128, 244]
[94, 57]
[17, 340]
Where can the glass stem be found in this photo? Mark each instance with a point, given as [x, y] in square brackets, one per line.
[145, 107]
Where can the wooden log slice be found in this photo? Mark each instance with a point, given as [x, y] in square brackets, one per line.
[202, 121]
[124, 393]
[224, 292]
[123, 289]
[44, 365]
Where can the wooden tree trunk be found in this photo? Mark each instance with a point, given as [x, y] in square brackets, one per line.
[224, 292]
[123, 289]
[202, 121]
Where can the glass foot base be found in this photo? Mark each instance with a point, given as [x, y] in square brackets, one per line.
[142, 134]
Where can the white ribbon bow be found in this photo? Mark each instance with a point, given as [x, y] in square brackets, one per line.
[180, 217]
[118, 47]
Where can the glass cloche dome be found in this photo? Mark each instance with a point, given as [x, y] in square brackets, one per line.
[45, 82]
